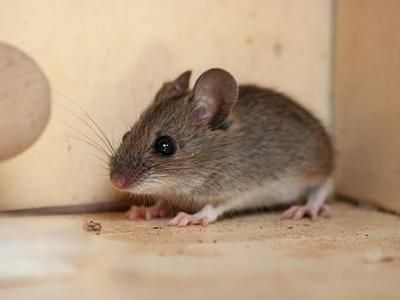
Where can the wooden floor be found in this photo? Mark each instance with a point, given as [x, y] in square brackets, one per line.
[354, 255]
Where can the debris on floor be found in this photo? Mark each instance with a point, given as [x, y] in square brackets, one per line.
[92, 226]
[355, 255]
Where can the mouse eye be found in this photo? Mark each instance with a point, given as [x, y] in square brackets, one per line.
[165, 145]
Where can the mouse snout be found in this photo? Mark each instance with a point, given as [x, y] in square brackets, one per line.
[118, 180]
[124, 179]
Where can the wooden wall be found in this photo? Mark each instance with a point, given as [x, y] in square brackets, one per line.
[112, 55]
[367, 101]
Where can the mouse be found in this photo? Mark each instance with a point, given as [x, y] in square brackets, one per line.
[221, 148]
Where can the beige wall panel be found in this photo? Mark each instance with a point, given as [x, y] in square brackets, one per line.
[111, 57]
[367, 97]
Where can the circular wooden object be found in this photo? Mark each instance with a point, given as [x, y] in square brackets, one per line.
[24, 101]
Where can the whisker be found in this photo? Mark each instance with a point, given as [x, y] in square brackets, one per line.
[85, 123]
[87, 143]
[84, 135]
[90, 118]
[98, 157]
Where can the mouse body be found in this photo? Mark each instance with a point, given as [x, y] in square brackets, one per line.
[222, 148]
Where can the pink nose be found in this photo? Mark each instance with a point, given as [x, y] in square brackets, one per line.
[118, 181]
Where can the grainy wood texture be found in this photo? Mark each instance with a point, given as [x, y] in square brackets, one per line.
[367, 101]
[24, 101]
[354, 256]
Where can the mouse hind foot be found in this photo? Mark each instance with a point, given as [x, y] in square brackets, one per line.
[297, 212]
[314, 206]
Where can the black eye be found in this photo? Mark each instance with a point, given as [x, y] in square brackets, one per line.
[165, 145]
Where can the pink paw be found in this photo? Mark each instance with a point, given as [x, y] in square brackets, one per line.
[184, 219]
[159, 210]
[297, 212]
[203, 217]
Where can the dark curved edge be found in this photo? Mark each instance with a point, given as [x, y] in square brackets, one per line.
[114, 206]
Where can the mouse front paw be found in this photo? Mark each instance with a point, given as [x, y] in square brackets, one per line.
[205, 216]
[184, 219]
[161, 209]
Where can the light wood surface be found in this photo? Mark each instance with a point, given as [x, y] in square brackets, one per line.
[354, 255]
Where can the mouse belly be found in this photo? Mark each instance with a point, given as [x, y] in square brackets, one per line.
[272, 192]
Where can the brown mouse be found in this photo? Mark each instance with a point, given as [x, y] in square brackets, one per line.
[223, 148]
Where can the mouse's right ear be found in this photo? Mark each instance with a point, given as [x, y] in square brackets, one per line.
[174, 89]
[214, 95]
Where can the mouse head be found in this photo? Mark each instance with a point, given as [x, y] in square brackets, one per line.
[177, 139]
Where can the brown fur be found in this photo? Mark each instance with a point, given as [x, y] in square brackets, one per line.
[245, 140]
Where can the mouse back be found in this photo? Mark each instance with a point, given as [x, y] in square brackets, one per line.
[217, 139]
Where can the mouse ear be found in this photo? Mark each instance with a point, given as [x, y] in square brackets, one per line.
[214, 96]
[174, 89]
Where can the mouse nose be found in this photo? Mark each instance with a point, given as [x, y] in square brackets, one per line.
[118, 180]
